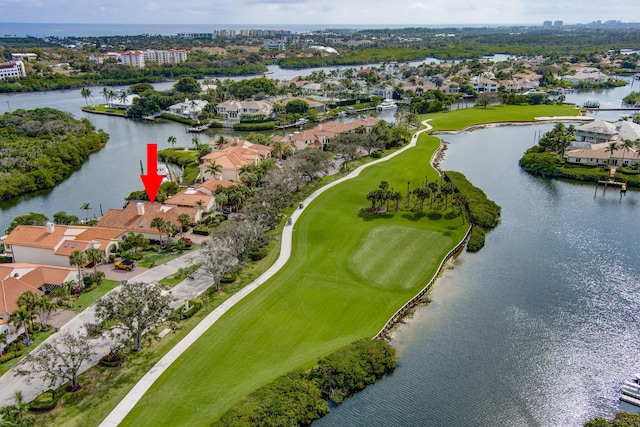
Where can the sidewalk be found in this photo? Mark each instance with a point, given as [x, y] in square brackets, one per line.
[189, 288]
[131, 399]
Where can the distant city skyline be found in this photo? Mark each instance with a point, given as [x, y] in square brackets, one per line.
[307, 12]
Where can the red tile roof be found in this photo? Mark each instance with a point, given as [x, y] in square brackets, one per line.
[128, 218]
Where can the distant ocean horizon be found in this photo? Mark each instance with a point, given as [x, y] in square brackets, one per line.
[40, 30]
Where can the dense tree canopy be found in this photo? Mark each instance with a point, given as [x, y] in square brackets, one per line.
[40, 148]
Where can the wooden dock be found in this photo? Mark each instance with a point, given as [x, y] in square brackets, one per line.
[612, 182]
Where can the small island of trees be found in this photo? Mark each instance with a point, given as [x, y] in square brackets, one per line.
[40, 148]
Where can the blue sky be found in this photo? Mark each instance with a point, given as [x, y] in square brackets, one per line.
[334, 12]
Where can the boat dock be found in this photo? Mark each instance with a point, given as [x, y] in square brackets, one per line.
[612, 181]
[152, 117]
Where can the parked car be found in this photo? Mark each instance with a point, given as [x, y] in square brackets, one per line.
[125, 264]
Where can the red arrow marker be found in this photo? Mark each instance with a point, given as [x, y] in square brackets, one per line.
[152, 180]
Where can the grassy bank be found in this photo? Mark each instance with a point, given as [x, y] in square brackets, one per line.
[461, 119]
[348, 274]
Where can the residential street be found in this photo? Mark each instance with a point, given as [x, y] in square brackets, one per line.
[189, 288]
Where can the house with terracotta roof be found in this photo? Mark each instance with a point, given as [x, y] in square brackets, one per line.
[16, 278]
[52, 244]
[22, 277]
[136, 217]
[322, 134]
[202, 196]
[232, 158]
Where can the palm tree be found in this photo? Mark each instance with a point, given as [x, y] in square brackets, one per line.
[158, 223]
[112, 95]
[184, 220]
[613, 146]
[421, 194]
[28, 299]
[106, 94]
[86, 94]
[86, 207]
[45, 307]
[278, 148]
[78, 258]
[213, 168]
[433, 188]
[626, 145]
[123, 97]
[169, 229]
[372, 196]
[447, 188]
[396, 197]
[220, 142]
[200, 204]
[21, 317]
[172, 140]
[195, 140]
[95, 256]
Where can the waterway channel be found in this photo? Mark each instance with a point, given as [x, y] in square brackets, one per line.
[540, 328]
[109, 175]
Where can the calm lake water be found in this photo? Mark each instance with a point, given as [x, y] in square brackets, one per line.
[540, 328]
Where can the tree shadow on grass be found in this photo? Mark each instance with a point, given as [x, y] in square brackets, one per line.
[451, 215]
[435, 216]
[368, 215]
[414, 216]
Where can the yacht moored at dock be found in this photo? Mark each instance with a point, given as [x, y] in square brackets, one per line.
[387, 104]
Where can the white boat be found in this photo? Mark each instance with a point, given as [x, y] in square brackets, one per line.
[387, 104]
[631, 391]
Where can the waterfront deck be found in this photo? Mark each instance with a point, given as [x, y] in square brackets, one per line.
[612, 182]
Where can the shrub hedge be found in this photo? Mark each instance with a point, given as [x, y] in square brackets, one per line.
[45, 401]
[299, 398]
[484, 214]
[254, 126]
[194, 306]
[12, 355]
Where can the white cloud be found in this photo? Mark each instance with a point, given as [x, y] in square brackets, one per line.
[330, 12]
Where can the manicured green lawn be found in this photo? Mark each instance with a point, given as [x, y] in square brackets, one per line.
[85, 300]
[459, 119]
[152, 258]
[347, 276]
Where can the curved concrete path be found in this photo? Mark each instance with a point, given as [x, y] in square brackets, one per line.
[131, 399]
